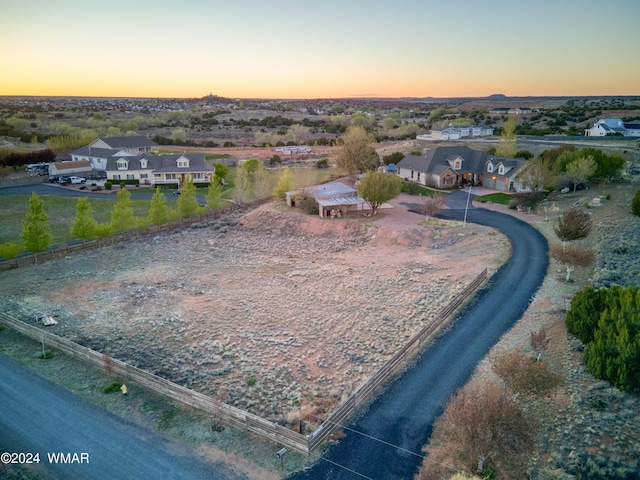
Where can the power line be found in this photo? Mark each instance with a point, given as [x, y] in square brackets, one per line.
[384, 442]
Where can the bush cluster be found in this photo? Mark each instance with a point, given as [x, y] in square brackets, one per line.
[607, 321]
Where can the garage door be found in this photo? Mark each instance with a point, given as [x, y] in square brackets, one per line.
[501, 185]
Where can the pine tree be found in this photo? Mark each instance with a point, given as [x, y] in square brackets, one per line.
[122, 217]
[187, 202]
[214, 192]
[84, 225]
[158, 208]
[36, 232]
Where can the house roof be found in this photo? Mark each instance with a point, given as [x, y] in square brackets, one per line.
[611, 124]
[128, 142]
[330, 190]
[71, 165]
[440, 159]
[95, 152]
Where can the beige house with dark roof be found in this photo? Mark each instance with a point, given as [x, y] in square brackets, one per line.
[446, 167]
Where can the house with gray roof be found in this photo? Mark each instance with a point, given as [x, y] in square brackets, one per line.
[159, 169]
[447, 167]
[132, 144]
[613, 126]
[100, 150]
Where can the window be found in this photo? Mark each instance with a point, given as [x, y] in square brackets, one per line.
[122, 165]
[144, 175]
[116, 177]
[170, 176]
[490, 167]
[130, 177]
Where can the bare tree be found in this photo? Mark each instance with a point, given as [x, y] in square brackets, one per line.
[356, 153]
[573, 225]
[431, 205]
[481, 424]
[580, 170]
[107, 362]
[537, 174]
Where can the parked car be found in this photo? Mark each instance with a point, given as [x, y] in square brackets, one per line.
[76, 180]
[177, 192]
[54, 178]
[64, 180]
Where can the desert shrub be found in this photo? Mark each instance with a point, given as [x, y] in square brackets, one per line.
[572, 255]
[228, 144]
[413, 188]
[310, 205]
[482, 426]
[394, 158]
[322, 163]
[112, 387]
[635, 204]
[275, 159]
[531, 199]
[522, 374]
[252, 380]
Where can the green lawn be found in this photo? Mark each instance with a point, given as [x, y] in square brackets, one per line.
[501, 198]
[61, 211]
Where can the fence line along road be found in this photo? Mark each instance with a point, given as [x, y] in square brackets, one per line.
[245, 420]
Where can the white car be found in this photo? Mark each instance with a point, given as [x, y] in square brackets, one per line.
[77, 179]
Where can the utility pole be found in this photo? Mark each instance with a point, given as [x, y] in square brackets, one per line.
[464, 224]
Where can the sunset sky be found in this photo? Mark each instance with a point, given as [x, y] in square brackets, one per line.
[319, 49]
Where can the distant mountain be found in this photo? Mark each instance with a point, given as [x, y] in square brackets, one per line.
[497, 96]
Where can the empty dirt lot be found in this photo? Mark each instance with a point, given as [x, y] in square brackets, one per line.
[274, 311]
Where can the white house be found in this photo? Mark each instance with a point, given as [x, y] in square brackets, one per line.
[613, 126]
[456, 132]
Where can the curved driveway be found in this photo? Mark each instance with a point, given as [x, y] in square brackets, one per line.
[403, 415]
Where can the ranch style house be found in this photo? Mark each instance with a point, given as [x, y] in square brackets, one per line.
[446, 167]
[130, 158]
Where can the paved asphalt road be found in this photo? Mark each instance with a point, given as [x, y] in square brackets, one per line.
[399, 422]
[54, 189]
[39, 416]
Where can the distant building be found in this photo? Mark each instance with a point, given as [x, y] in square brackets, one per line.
[512, 111]
[457, 132]
[613, 126]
